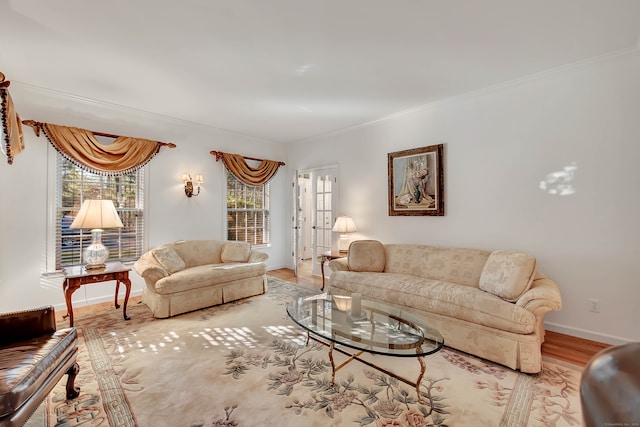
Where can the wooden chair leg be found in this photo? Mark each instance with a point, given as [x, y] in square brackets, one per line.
[72, 390]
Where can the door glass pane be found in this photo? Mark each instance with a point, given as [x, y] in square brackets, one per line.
[322, 198]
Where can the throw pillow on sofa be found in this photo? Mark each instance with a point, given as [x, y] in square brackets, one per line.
[235, 252]
[366, 255]
[168, 259]
[508, 274]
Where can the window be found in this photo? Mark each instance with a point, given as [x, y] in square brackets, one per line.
[74, 185]
[247, 212]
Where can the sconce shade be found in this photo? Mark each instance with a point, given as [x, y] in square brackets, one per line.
[188, 184]
[344, 224]
[97, 214]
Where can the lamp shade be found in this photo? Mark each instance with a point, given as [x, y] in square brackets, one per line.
[344, 224]
[97, 214]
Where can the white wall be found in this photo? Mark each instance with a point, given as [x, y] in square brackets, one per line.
[499, 144]
[171, 215]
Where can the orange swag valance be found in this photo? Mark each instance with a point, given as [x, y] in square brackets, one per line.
[80, 146]
[237, 165]
[13, 140]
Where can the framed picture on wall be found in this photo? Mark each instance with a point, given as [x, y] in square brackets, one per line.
[416, 181]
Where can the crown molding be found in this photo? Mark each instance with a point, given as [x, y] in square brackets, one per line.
[611, 56]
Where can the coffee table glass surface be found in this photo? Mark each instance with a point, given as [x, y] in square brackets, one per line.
[372, 327]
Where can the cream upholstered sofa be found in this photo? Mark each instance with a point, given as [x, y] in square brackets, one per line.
[489, 304]
[193, 274]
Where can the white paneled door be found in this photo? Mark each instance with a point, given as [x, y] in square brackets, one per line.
[315, 202]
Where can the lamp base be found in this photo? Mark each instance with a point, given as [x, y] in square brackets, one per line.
[93, 267]
[343, 244]
[96, 253]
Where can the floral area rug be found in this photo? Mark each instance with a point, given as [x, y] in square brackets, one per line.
[246, 364]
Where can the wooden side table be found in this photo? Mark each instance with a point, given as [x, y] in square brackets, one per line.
[77, 276]
[328, 256]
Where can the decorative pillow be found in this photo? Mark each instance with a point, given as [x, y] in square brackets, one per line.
[168, 259]
[508, 274]
[235, 252]
[366, 255]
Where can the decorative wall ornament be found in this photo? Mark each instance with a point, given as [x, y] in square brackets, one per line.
[10, 126]
[238, 166]
[80, 146]
[416, 181]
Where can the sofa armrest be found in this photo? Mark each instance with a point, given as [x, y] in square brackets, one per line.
[255, 256]
[542, 297]
[149, 270]
[23, 325]
[338, 264]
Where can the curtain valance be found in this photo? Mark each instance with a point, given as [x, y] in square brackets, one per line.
[238, 166]
[124, 155]
[13, 140]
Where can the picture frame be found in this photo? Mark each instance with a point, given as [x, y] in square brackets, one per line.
[416, 181]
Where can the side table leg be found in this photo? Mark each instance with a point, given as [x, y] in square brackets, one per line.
[127, 284]
[322, 261]
[117, 291]
[68, 291]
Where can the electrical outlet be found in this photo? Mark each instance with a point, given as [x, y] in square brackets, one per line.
[594, 305]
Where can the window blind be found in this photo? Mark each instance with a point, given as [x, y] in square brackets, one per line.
[73, 186]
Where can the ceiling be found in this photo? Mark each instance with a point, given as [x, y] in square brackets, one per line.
[289, 70]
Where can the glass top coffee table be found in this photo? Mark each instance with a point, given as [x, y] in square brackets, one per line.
[366, 326]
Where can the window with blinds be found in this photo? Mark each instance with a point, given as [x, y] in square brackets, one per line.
[248, 217]
[74, 185]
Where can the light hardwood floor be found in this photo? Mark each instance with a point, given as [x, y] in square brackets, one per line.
[576, 351]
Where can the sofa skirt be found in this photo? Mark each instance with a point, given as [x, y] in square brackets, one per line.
[168, 305]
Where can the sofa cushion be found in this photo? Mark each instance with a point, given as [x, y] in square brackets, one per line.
[366, 255]
[208, 275]
[508, 274]
[168, 259]
[436, 296]
[457, 265]
[198, 252]
[235, 252]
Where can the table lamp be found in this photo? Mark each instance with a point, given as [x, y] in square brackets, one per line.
[344, 225]
[96, 215]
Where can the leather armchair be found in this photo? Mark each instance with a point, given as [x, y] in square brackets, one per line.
[34, 356]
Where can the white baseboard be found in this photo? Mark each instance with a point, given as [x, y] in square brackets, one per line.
[276, 267]
[587, 335]
[96, 300]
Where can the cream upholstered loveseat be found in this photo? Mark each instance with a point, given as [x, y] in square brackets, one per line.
[490, 304]
[193, 274]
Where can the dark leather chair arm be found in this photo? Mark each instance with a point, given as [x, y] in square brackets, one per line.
[23, 325]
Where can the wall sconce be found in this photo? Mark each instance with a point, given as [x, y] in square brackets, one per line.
[188, 184]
